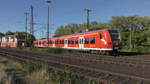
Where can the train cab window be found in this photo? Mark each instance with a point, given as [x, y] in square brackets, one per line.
[92, 40]
[100, 36]
[76, 41]
[114, 35]
[86, 40]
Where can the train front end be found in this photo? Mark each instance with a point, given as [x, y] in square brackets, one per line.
[115, 39]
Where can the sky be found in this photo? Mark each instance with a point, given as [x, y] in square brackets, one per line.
[63, 12]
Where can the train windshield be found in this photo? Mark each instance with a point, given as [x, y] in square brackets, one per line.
[114, 35]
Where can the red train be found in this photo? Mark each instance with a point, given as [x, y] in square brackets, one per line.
[97, 40]
[16, 40]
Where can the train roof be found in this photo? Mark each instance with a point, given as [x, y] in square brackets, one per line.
[76, 34]
[92, 31]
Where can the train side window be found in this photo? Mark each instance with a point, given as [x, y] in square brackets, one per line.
[72, 41]
[92, 40]
[46, 42]
[62, 41]
[76, 41]
[68, 41]
[100, 36]
[50, 42]
[86, 40]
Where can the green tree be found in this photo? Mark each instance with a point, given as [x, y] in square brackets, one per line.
[1, 34]
[131, 26]
[9, 33]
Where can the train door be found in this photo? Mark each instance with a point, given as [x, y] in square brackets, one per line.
[53, 43]
[66, 43]
[81, 44]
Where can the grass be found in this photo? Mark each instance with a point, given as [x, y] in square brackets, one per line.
[3, 76]
[40, 73]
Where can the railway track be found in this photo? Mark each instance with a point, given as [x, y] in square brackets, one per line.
[93, 67]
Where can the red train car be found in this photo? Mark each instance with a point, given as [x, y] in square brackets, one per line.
[97, 40]
[16, 40]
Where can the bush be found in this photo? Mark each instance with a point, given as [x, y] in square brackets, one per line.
[140, 49]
